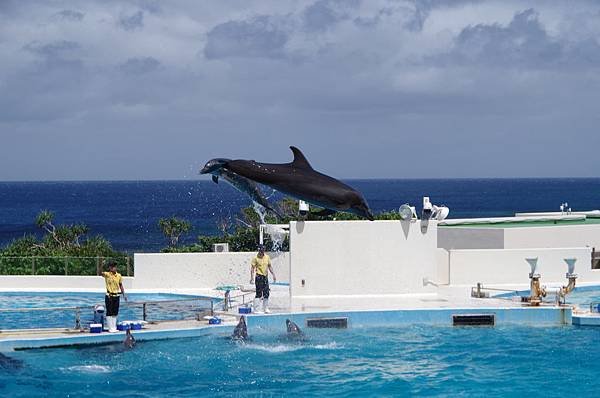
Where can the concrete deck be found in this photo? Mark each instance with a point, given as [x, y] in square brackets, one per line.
[43, 338]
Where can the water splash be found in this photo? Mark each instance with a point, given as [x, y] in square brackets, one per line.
[277, 235]
[261, 211]
[88, 369]
[282, 348]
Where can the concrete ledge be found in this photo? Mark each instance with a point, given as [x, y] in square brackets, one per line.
[542, 316]
[27, 342]
[586, 320]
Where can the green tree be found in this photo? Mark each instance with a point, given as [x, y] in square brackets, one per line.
[173, 228]
[62, 248]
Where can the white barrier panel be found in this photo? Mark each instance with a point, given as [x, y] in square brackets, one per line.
[171, 271]
[470, 238]
[553, 236]
[508, 266]
[58, 283]
[354, 258]
[522, 237]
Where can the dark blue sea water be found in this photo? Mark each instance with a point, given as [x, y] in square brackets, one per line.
[127, 212]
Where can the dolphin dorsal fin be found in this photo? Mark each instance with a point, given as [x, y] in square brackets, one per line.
[299, 159]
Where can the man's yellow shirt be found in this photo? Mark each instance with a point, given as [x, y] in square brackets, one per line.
[112, 282]
[261, 264]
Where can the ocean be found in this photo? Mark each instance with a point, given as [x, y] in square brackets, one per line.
[127, 212]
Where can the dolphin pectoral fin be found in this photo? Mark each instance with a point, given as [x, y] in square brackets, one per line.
[324, 212]
[299, 159]
[215, 179]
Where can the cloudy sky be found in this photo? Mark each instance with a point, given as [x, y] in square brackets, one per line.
[380, 88]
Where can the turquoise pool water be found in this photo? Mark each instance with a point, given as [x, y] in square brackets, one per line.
[158, 310]
[402, 361]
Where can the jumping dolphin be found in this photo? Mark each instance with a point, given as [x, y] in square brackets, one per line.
[293, 329]
[299, 180]
[241, 330]
[242, 184]
[129, 341]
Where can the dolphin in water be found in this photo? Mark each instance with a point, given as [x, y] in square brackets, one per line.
[8, 363]
[299, 180]
[293, 329]
[242, 184]
[241, 330]
[129, 341]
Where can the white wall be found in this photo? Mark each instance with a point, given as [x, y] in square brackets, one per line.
[361, 258]
[508, 266]
[200, 270]
[519, 237]
[553, 236]
[59, 283]
[470, 238]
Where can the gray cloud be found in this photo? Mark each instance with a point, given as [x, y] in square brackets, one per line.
[522, 43]
[257, 37]
[139, 65]
[132, 22]
[323, 14]
[470, 83]
[55, 49]
[70, 15]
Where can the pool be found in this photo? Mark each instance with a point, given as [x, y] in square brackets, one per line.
[158, 310]
[390, 361]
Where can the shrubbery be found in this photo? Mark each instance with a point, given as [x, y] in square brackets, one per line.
[63, 249]
[243, 236]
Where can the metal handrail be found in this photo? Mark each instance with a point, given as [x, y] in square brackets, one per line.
[99, 262]
[143, 304]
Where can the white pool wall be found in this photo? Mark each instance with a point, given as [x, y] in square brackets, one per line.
[201, 270]
[193, 273]
[508, 266]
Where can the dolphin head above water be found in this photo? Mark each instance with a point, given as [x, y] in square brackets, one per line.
[292, 328]
[214, 166]
[241, 330]
[129, 341]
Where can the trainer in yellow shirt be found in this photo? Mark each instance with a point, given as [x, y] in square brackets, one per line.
[114, 287]
[261, 265]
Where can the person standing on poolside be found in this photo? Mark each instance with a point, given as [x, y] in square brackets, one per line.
[114, 287]
[261, 266]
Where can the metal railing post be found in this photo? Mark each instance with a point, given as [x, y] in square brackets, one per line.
[66, 265]
[33, 265]
[98, 267]
[77, 318]
[128, 266]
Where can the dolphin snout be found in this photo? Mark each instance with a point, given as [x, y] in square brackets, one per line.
[214, 165]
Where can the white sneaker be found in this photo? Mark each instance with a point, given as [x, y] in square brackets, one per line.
[266, 306]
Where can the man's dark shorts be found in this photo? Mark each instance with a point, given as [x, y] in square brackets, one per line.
[261, 282]
[112, 305]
